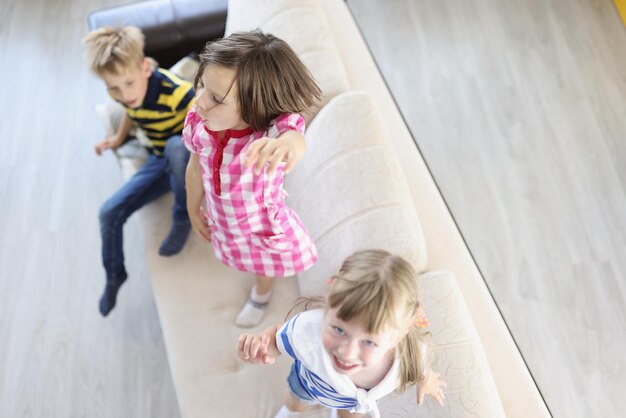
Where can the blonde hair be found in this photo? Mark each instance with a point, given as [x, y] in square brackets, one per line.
[271, 79]
[381, 290]
[109, 50]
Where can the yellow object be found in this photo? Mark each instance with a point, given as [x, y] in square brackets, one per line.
[621, 8]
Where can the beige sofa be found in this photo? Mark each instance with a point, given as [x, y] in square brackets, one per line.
[361, 184]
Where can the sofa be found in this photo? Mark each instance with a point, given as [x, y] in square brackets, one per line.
[361, 184]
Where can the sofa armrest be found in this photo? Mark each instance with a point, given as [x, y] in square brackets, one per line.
[173, 28]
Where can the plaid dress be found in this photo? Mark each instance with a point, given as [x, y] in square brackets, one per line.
[252, 229]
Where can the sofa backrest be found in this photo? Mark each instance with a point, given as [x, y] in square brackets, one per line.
[303, 26]
[350, 192]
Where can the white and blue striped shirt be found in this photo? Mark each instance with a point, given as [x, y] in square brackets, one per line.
[301, 338]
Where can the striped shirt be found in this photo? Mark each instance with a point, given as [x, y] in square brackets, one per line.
[163, 111]
[301, 338]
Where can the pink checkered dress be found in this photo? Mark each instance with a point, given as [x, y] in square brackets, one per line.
[252, 229]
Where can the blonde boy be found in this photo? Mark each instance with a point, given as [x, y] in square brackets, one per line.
[157, 101]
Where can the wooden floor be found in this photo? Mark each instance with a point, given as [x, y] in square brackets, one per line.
[519, 109]
[58, 356]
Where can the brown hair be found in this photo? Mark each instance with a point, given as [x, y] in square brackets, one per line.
[271, 79]
[381, 289]
[109, 50]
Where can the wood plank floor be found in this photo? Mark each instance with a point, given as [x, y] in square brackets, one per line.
[58, 356]
[519, 109]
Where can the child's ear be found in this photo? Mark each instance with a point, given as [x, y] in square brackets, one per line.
[146, 67]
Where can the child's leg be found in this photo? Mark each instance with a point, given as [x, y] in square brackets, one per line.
[297, 399]
[253, 311]
[293, 404]
[147, 184]
[177, 156]
[264, 285]
[344, 413]
[292, 408]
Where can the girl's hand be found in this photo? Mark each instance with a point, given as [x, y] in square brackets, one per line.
[273, 151]
[432, 386]
[253, 348]
[200, 223]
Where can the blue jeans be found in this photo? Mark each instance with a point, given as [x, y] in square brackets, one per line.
[158, 176]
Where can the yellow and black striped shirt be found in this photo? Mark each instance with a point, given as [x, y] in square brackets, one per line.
[162, 113]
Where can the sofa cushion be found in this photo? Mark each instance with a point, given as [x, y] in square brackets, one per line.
[302, 24]
[350, 192]
[198, 299]
[459, 356]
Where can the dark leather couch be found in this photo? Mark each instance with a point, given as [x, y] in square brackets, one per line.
[173, 28]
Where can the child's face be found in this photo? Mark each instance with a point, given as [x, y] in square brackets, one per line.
[352, 349]
[216, 99]
[129, 85]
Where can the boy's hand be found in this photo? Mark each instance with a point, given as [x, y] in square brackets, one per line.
[109, 143]
[273, 151]
[200, 223]
[432, 386]
[252, 348]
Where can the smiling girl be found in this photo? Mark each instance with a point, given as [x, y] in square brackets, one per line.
[364, 344]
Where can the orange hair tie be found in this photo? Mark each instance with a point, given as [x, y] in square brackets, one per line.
[420, 320]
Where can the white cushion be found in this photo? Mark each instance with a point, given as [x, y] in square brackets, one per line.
[302, 24]
[198, 299]
[185, 68]
[349, 190]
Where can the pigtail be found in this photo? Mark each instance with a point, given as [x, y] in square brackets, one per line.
[416, 357]
[305, 304]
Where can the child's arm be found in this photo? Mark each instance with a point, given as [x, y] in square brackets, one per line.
[259, 348]
[288, 147]
[432, 386]
[195, 196]
[117, 139]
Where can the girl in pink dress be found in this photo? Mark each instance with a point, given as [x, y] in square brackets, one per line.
[244, 133]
